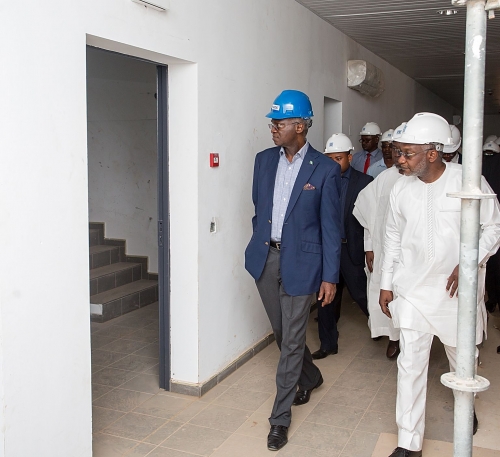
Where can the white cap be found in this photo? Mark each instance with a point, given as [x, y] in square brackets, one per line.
[490, 138]
[424, 128]
[387, 136]
[338, 142]
[491, 146]
[457, 140]
[370, 128]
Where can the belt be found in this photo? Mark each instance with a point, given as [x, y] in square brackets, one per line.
[343, 240]
[275, 244]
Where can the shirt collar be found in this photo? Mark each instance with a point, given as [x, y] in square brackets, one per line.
[300, 153]
[347, 173]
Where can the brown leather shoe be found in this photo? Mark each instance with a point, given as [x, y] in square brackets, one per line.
[392, 349]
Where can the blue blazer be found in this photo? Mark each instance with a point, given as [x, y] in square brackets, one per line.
[310, 249]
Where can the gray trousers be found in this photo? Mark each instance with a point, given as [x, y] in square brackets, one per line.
[288, 316]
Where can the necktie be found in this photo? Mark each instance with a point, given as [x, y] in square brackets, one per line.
[367, 163]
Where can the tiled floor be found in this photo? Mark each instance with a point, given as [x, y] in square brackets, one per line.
[345, 417]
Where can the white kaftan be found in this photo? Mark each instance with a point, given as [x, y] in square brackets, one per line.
[370, 210]
[423, 234]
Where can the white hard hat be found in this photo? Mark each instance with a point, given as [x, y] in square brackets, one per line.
[370, 128]
[491, 146]
[424, 128]
[457, 140]
[387, 136]
[491, 138]
[338, 142]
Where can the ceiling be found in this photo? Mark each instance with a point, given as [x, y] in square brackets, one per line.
[413, 37]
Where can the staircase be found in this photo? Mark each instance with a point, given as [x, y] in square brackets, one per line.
[119, 283]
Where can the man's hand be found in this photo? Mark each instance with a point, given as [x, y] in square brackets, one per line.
[385, 298]
[369, 260]
[327, 292]
[453, 282]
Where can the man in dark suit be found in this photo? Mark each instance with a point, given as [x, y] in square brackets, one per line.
[295, 247]
[352, 257]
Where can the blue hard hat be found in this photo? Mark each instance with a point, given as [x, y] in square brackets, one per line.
[290, 104]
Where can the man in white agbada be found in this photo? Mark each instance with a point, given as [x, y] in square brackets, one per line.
[423, 233]
[370, 210]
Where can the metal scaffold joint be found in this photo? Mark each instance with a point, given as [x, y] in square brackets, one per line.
[476, 384]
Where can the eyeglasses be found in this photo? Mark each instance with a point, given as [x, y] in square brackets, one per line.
[407, 155]
[280, 125]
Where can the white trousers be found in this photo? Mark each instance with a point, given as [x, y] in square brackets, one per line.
[413, 365]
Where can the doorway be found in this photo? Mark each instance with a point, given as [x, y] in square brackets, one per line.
[332, 118]
[128, 203]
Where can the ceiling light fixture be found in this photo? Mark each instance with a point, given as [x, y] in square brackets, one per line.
[447, 12]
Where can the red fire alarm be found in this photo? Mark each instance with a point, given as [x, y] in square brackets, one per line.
[214, 159]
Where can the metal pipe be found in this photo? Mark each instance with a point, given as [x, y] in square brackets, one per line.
[469, 228]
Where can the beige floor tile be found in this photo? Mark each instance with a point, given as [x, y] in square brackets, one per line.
[103, 417]
[135, 363]
[105, 358]
[141, 450]
[122, 400]
[163, 406]
[356, 380]
[378, 422]
[321, 437]
[166, 430]
[124, 346]
[240, 398]
[292, 450]
[221, 418]
[384, 401]
[337, 416]
[148, 383]
[368, 366]
[346, 396]
[197, 440]
[99, 390]
[112, 377]
[361, 444]
[111, 446]
[244, 446]
[134, 426]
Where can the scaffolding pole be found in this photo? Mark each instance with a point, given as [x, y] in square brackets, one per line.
[464, 381]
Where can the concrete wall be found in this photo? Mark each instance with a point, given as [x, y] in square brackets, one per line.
[227, 61]
[121, 112]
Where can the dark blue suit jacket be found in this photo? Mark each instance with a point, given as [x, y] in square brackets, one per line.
[310, 249]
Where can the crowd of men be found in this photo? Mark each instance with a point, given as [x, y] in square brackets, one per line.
[378, 222]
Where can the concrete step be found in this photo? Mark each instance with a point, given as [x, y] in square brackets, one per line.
[118, 274]
[101, 255]
[124, 299]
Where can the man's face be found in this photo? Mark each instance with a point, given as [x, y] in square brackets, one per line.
[449, 156]
[387, 150]
[342, 158]
[286, 131]
[416, 163]
[369, 142]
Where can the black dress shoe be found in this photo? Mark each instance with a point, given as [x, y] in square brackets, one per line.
[303, 396]
[320, 354]
[401, 452]
[277, 438]
[392, 349]
[475, 424]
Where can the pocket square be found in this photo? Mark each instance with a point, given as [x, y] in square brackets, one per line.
[309, 187]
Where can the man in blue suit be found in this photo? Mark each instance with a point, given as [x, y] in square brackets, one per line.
[295, 247]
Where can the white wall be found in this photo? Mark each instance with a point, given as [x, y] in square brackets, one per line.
[121, 110]
[227, 61]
